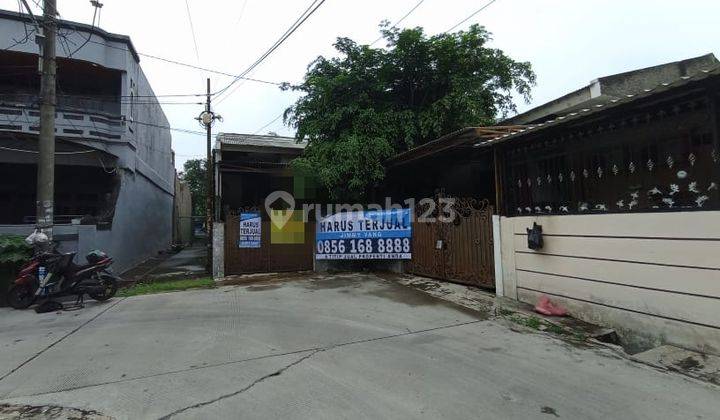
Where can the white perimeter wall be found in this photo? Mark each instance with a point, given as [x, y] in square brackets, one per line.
[655, 277]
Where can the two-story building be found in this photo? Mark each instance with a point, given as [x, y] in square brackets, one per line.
[114, 173]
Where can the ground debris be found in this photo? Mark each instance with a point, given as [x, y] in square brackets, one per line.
[696, 365]
[250, 279]
[549, 410]
[469, 297]
[48, 412]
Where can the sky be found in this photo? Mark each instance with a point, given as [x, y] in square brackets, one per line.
[568, 42]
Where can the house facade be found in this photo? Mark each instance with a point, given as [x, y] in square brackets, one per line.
[622, 176]
[626, 192]
[248, 169]
[114, 174]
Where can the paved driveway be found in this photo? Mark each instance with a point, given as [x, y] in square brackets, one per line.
[350, 346]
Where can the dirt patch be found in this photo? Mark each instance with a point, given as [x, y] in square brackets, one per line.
[412, 297]
[12, 411]
[248, 279]
[688, 363]
[517, 318]
[261, 287]
[549, 410]
[427, 286]
[334, 282]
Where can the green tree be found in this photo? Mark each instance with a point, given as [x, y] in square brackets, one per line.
[367, 104]
[195, 175]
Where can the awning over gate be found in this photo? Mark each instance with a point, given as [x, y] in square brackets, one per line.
[466, 137]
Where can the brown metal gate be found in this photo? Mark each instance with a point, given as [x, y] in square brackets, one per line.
[269, 257]
[459, 251]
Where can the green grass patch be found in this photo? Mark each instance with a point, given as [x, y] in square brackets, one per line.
[504, 312]
[555, 329]
[530, 322]
[166, 286]
[533, 322]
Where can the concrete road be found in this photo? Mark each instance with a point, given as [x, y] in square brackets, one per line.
[350, 346]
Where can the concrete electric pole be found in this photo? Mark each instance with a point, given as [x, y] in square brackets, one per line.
[210, 187]
[207, 118]
[46, 143]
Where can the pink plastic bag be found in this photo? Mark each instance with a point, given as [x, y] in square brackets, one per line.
[545, 307]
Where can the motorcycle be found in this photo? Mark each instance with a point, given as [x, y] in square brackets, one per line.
[51, 274]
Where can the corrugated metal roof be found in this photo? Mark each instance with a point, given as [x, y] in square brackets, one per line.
[260, 141]
[572, 116]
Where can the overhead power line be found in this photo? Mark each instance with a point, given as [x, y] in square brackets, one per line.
[471, 16]
[96, 6]
[106, 98]
[23, 40]
[180, 63]
[242, 11]
[181, 130]
[29, 33]
[192, 30]
[300, 20]
[400, 20]
[269, 124]
[11, 149]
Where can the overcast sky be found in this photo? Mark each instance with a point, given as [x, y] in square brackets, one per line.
[568, 42]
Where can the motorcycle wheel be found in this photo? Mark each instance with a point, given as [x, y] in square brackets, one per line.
[21, 296]
[110, 286]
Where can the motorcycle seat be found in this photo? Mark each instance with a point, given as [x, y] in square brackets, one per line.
[74, 268]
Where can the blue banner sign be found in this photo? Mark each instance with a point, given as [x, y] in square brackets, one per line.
[250, 229]
[368, 235]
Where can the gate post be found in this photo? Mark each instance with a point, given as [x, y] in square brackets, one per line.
[218, 242]
[497, 252]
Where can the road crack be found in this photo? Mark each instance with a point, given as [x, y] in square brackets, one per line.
[54, 343]
[408, 332]
[302, 359]
[245, 389]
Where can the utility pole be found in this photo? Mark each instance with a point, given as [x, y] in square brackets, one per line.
[210, 187]
[46, 143]
[207, 118]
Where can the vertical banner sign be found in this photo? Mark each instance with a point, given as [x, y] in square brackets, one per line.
[250, 228]
[368, 235]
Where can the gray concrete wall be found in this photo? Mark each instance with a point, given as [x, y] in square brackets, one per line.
[142, 226]
[218, 263]
[107, 50]
[154, 156]
[182, 228]
[648, 78]
[606, 88]
[143, 222]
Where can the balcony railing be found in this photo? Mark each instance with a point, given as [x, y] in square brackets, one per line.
[78, 123]
[67, 102]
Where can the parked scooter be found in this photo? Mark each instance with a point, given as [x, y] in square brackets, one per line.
[50, 274]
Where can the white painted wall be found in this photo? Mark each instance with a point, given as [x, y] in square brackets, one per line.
[653, 277]
[497, 256]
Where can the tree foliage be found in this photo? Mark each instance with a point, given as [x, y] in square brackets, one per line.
[367, 104]
[195, 175]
